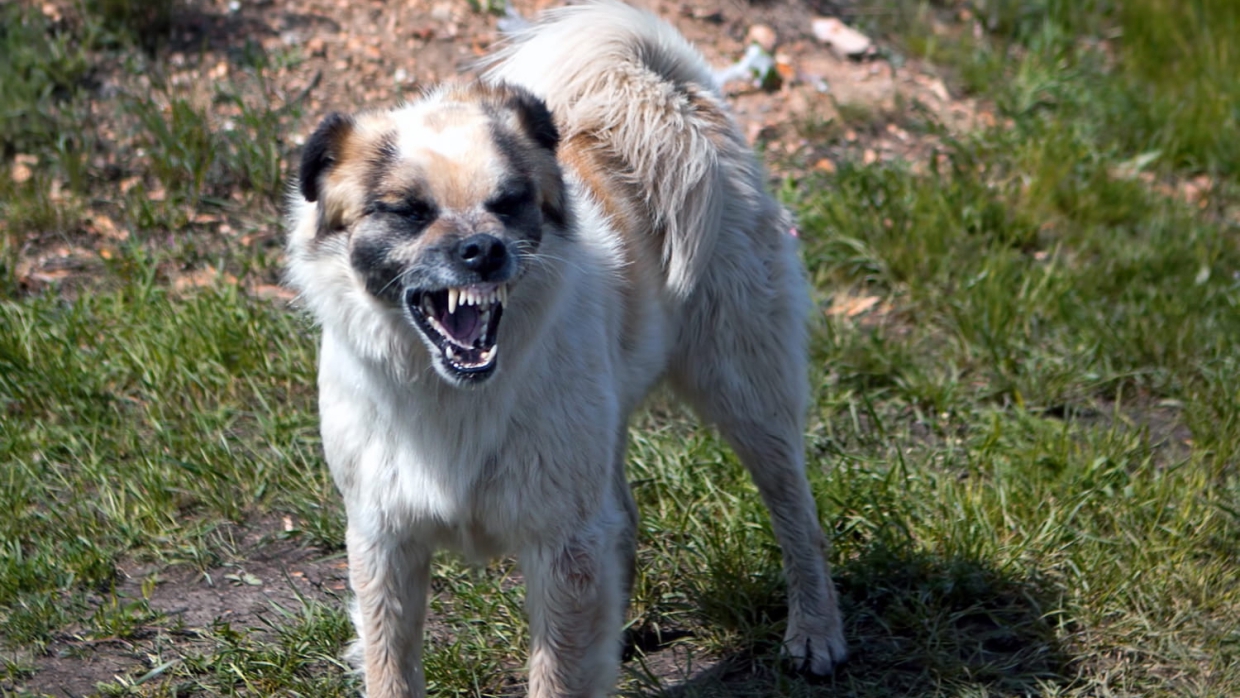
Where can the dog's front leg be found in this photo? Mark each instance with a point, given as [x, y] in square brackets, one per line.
[390, 580]
[576, 593]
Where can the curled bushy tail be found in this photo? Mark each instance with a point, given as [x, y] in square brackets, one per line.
[634, 85]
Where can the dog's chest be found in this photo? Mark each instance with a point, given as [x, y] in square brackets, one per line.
[480, 472]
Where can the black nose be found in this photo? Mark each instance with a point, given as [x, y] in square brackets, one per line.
[482, 253]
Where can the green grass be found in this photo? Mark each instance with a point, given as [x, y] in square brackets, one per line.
[1141, 76]
[1026, 449]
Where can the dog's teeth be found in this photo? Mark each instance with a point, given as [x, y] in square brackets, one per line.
[489, 354]
[428, 307]
[449, 352]
[502, 293]
[454, 295]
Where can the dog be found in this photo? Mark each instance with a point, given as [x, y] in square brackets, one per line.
[502, 270]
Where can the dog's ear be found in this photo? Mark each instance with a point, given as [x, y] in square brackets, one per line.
[321, 152]
[537, 123]
[535, 118]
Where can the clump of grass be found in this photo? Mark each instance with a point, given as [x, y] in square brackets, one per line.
[199, 157]
[46, 67]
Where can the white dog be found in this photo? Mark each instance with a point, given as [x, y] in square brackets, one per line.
[502, 271]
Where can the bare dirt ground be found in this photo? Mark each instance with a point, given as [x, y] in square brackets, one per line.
[269, 574]
[378, 53]
[343, 55]
[353, 54]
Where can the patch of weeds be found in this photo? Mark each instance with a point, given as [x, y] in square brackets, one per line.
[120, 618]
[197, 160]
[294, 650]
[211, 155]
[46, 66]
[42, 149]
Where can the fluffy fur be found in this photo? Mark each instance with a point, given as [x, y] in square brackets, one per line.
[620, 237]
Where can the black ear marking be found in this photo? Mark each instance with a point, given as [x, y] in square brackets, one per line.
[536, 119]
[321, 152]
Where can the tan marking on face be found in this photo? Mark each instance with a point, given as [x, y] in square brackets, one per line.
[442, 151]
[449, 148]
[345, 186]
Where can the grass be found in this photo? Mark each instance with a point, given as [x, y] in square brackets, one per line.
[1026, 448]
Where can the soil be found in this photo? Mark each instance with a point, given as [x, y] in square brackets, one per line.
[345, 55]
[267, 573]
[351, 54]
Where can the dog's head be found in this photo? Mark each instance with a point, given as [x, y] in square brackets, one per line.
[444, 204]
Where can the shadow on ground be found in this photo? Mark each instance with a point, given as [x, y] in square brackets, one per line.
[917, 625]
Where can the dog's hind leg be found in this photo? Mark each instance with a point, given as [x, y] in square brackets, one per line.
[742, 364]
[575, 596]
[390, 582]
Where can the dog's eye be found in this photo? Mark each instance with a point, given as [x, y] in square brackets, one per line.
[509, 203]
[410, 209]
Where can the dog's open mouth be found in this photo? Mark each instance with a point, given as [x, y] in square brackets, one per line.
[462, 323]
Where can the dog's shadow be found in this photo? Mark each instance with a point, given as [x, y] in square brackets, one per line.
[917, 625]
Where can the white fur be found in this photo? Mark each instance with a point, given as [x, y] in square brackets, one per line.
[640, 100]
[531, 461]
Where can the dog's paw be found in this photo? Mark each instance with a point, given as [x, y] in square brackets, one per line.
[816, 651]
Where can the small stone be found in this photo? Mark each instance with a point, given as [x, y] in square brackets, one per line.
[841, 38]
[23, 168]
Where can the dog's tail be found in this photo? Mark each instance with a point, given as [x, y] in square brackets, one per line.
[627, 81]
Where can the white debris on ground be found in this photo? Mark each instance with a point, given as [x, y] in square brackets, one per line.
[845, 41]
[756, 66]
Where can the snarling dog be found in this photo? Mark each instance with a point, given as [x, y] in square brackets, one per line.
[502, 271]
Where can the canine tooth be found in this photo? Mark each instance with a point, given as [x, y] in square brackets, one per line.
[449, 352]
[453, 296]
[428, 307]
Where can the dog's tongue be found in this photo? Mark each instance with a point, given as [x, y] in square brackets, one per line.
[465, 325]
